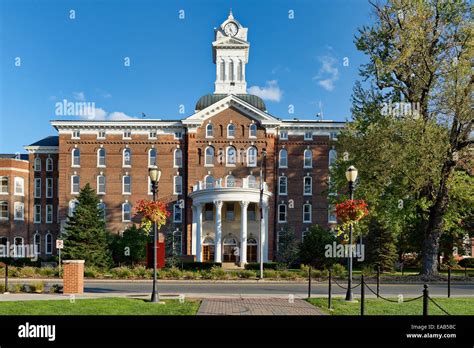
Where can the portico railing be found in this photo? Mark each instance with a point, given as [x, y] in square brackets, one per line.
[229, 183]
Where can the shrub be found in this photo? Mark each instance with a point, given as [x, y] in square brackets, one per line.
[270, 273]
[92, 272]
[233, 275]
[48, 272]
[218, 273]
[141, 272]
[255, 266]
[247, 274]
[37, 287]
[2, 287]
[206, 274]
[190, 266]
[467, 262]
[367, 271]
[16, 288]
[288, 275]
[191, 275]
[27, 272]
[121, 272]
[13, 271]
[338, 270]
[325, 273]
[56, 289]
[174, 272]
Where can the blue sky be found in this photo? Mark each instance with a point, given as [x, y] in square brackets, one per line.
[297, 61]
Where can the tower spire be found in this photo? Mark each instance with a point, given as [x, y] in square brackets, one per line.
[231, 16]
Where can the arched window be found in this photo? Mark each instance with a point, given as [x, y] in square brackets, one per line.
[151, 157]
[283, 160]
[102, 211]
[37, 243]
[253, 130]
[49, 164]
[178, 158]
[48, 244]
[208, 241]
[37, 164]
[222, 70]
[101, 157]
[209, 160]
[126, 212]
[231, 156]
[209, 131]
[308, 158]
[252, 156]
[100, 184]
[209, 181]
[127, 157]
[76, 157]
[252, 181]
[72, 206]
[230, 181]
[231, 71]
[231, 130]
[332, 157]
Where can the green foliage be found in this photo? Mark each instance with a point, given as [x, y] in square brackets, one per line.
[174, 273]
[85, 234]
[2, 288]
[56, 289]
[218, 273]
[28, 272]
[248, 274]
[37, 287]
[338, 270]
[199, 265]
[312, 250]
[380, 249]
[121, 272]
[92, 272]
[48, 272]
[172, 247]
[270, 273]
[287, 247]
[266, 265]
[467, 262]
[130, 247]
[16, 288]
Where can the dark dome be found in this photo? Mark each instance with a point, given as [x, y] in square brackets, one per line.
[210, 99]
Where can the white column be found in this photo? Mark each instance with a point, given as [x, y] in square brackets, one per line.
[265, 230]
[193, 231]
[198, 208]
[218, 239]
[243, 232]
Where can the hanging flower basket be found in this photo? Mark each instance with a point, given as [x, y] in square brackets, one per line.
[349, 213]
[151, 212]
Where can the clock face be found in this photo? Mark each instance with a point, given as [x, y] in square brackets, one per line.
[231, 29]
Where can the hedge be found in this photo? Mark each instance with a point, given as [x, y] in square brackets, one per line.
[467, 262]
[190, 266]
[266, 265]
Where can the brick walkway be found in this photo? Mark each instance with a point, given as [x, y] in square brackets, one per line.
[251, 306]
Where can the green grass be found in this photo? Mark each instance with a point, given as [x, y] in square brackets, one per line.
[104, 306]
[454, 306]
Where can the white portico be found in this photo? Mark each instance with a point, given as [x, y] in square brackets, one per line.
[226, 218]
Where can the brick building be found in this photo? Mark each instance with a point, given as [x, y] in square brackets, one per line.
[210, 164]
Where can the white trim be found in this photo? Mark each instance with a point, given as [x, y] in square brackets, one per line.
[21, 181]
[49, 159]
[98, 158]
[304, 158]
[286, 185]
[149, 157]
[123, 158]
[72, 157]
[50, 221]
[37, 168]
[37, 234]
[15, 169]
[310, 213]
[174, 158]
[253, 126]
[286, 213]
[213, 156]
[22, 205]
[311, 186]
[51, 186]
[280, 157]
[46, 243]
[176, 206]
[227, 163]
[36, 213]
[36, 193]
[72, 184]
[123, 185]
[211, 129]
[230, 136]
[248, 157]
[8, 184]
[8, 211]
[99, 192]
[123, 212]
[174, 184]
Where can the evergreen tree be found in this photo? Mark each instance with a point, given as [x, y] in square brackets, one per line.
[380, 249]
[130, 247]
[86, 237]
[287, 247]
[313, 248]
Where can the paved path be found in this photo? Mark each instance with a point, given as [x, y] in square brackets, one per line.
[249, 306]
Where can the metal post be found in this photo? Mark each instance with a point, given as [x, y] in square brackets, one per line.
[425, 300]
[6, 277]
[59, 254]
[262, 186]
[362, 296]
[349, 262]
[309, 282]
[154, 294]
[378, 281]
[329, 290]
[449, 282]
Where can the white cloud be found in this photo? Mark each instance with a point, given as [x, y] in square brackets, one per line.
[79, 96]
[328, 74]
[118, 116]
[271, 91]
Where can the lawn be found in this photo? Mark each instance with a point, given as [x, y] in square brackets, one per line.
[454, 306]
[104, 306]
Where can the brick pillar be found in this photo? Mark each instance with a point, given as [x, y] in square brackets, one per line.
[73, 277]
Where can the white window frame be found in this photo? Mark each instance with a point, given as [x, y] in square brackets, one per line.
[178, 135]
[152, 134]
[101, 205]
[280, 193]
[38, 244]
[48, 245]
[76, 134]
[310, 193]
[252, 183]
[123, 212]
[304, 158]
[308, 135]
[233, 131]
[49, 164]
[176, 157]
[176, 179]
[37, 165]
[99, 165]
[71, 207]
[129, 156]
[16, 205]
[286, 213]
[127, 134]
[228, 163]
[283, 135]
[253, 129]
[49, 213]
[129, 192]
[18, 182]
[49, 188]
[209, 130]
[78, 184]
[332, 156]
[37, 188]
[282, 164]
[73, 157]
[331, 213]
[232, 178]
[101, 134]
[5, 203]
[206, 164]
[150, 157]
[177, 209]
[212, 183]
[99, 191]
[37, 213]
[305, 206]
[249, 164]
[7, 185]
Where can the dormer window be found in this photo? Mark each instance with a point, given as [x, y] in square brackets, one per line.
[308, 135]
[127, 134]
[178, 135]
[76, 134]
[152, 134]
[101, 135]
[283, 135]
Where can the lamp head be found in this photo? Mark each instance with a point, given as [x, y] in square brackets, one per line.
[351, 174]
[155, 173]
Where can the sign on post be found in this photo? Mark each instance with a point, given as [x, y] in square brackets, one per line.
[59, 243]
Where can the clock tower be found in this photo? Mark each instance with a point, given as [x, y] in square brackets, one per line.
[230, 52]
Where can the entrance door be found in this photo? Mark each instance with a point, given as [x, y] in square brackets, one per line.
[252, 250]
[230, 244]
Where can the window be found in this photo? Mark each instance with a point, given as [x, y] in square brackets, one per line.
[37, 164]
[19, 211]
[72, 207]
[152, 134]
[76, 134]
[252, 157]
[178, 135]
[307, 213]
[75, 187]
[177, 213]
[230, 181]
[49, 213]
[308, 158]
[76, 158]
[178, 158]
[209, 182]
[49, 243]
[251, 213]
[209, 131]
[19, 184]
[283, 185]
[209, 160]
[102, 211]
[230, 212]
[231, 156]
[127, 134]
[283, 135]
[308, 135]
[252, 181]
[307, 186]
[100, 184]
[127, 158]
[283, 160]
[151, 157]
[101, 157]
[332, 157]
[3, 185]
[49, 187]
[19, 250]
[4, 210]
[127, 185]
[49, 164]
[101, 135]
[37, 192]
[37, 243]
[178, 185]
[332, 215]
[253, 130]
[37, 214]
[230, 131]
[282, 213]
[126, 212]
[209, 212]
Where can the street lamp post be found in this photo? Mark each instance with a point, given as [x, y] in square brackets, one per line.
[262, 186]
[351, 176]
[155, 175]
